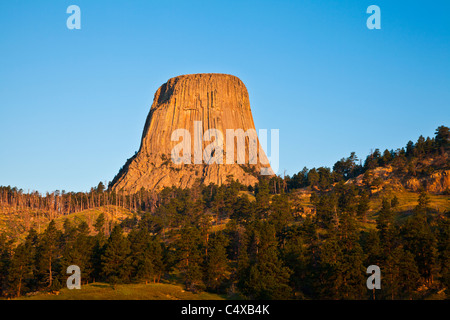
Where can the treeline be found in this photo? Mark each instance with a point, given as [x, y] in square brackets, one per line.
[60, 203]
[41, 261]
[266, 250]
[263, 251]
[406, 160]
[413, 159]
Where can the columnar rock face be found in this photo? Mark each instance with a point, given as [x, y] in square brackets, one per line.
[194, 103]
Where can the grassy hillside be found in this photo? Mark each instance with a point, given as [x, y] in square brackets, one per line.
[16, 223]
[111, 213]
[103, 291]
[408, 200]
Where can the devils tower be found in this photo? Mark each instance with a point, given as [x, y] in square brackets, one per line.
[193, 103]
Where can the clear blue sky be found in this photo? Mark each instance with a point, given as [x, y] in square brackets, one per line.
[73, 102]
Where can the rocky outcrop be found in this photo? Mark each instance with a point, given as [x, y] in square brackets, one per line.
[195, 103]
[413, 184]
[438, 182]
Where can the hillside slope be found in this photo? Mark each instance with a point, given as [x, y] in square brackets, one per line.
[103, 291]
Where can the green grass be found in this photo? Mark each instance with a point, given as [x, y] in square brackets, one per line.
[249, 194]
[103, 291]
[408, 201]
[16, 223]
[114, 213]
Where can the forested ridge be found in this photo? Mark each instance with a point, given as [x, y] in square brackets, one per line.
[254, 241]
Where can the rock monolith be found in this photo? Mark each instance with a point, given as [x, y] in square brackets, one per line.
[195, 104]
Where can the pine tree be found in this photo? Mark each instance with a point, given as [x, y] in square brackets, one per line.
[146, 256]
[394, 202]
[100, 223]
[443, 238]
[280, 212]
[399, 275]
[409, 274]
[268, 277]
[363, 206]
[442, 138]
[387, 228]
[190, 258]
[243, 211]
[423, 202]
[421, 242]
[241, 272]
[22, 266]
[84, 245]
[295, 257]
[372, 248]
[313, 177]
[48, 254]
[99, 242]
[341, 271]
[262, 198]
[5, 261]
[326, 210]
[78, 250]
[156, 248]
[116, 262]
[217, 269]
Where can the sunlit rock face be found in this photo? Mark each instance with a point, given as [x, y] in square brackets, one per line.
[195, 103]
